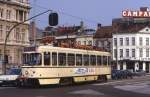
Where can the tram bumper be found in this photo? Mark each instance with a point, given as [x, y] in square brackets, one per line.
[27, 82]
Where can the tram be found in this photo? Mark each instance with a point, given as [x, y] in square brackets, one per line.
[46, 65]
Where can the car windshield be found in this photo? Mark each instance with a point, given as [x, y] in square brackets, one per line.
[14, 72]
[32, 59]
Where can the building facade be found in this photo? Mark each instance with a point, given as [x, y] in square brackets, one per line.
[103, 37]
[131, 48]
[86, 38]
[11, 13]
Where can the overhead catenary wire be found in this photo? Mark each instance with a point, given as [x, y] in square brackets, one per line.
[70, 15]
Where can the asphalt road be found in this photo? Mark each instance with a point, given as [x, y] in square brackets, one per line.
[137, 87]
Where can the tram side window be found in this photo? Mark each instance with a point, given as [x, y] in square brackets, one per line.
[99, 60]
[71, 59]
[54, 59]
[62, 59]
[78, 60]
[105, 60]
[46, 58]
[86, 60]
[109, 60]
[24, 58]
[32, 59]
[93, 60]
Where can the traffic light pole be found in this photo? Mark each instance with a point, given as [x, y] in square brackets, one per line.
[7, 35]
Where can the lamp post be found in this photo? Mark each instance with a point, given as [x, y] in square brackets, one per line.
[7, 35]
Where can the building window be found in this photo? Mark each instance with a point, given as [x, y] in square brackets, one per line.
[90, 43]
[127, 41]
[23, 35]
[147, 41]
[21, 15]
[121, 53]
[79, 42]
[141, 41]
[1, 31]
[25, 15]
[133, 52]
[1, 12]
[8, 14]
[147, 52]
[115, 53]
[7, 30]
[141, 52]
[127, 52]
[133, 40]
[84, 42]
[17, 34]
[121, 41]
[115, 41]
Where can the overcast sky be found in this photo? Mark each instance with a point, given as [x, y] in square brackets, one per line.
[90, 11]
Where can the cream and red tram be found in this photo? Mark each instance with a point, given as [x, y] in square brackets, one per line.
[46, 65]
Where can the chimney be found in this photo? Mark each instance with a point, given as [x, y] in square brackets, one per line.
[99, 26]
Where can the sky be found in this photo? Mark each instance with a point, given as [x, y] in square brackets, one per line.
[91, 12]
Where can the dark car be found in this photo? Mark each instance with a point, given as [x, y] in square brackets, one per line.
[115, 74]
[121, 74]
[140, 73]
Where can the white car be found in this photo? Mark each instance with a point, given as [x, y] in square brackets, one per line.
[10, 78]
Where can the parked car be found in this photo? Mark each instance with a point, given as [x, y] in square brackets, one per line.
[121, 74]
[115, 74]
[139, 73]
[11, 77]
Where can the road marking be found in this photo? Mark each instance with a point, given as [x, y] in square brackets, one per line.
[40, 96]
[107, 83]
[1, 88]
[142, 88]
[115, 82]
[87, 92]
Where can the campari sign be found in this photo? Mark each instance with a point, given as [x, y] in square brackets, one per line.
[136, 14]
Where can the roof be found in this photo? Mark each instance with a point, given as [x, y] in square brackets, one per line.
[104, 32]
[131, 28]
[70, 50]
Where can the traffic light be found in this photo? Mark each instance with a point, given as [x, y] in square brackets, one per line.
[53, 19]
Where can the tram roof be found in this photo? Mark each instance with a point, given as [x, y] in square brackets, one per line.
[71, 50]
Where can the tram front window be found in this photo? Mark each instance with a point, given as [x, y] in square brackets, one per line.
[32, 58]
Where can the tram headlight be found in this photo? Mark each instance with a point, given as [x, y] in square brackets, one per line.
[26, 72]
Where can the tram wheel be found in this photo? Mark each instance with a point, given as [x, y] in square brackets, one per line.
[102, 78]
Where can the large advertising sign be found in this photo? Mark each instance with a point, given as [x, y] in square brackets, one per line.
[136, 14]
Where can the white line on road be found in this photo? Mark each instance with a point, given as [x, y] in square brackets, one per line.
[1, 88]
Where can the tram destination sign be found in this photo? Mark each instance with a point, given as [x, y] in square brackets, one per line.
[136, 14]
[29, 49]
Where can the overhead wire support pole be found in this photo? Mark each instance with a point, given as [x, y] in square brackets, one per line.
[7, 35]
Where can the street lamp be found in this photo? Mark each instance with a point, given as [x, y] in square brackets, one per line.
[7, 35]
